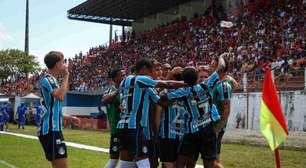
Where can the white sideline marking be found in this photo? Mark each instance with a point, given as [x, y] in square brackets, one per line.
[71, 144]
[7, 164]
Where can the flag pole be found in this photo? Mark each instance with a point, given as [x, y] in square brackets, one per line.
[276, 151]
[277, 158]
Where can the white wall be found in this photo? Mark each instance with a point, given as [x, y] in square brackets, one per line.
[293, 105]
[85, 111]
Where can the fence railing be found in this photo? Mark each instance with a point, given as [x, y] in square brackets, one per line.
[283, 79]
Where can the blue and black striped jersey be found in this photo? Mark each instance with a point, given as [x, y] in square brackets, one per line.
[198, 100]
[51, 119]
[136, 93]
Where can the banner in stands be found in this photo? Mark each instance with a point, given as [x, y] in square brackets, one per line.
[82, 104]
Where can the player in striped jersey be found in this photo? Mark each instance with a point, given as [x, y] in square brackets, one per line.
[172, 127]
[151, 132]
[50, 129]
[136, 94]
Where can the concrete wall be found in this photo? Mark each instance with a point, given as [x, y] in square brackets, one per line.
[293, 105]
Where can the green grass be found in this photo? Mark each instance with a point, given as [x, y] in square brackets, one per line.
[235, 155]
[27, 153]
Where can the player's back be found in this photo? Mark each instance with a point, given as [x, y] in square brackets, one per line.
[135, 93]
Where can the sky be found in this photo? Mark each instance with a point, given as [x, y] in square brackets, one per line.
[49, 28]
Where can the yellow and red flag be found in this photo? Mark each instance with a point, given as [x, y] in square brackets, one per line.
[272, 122]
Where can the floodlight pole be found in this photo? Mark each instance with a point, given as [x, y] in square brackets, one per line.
[123, 34]
[26, 45]
[110, 32]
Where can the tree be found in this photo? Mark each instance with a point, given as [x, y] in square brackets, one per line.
[14, 62]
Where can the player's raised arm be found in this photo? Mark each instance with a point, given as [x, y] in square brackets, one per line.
[170, 83]
[62, 91]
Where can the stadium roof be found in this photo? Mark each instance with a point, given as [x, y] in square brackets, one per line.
[119, 12]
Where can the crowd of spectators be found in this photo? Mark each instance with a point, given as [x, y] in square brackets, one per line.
[264, 31]
[20, 86]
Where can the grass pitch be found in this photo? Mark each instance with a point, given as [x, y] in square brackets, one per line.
[27, 153]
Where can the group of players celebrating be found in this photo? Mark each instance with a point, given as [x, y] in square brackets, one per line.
[172, 114]
[155, 113]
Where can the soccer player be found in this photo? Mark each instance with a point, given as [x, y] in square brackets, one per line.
[166, 69]
[21, 115]
[151, 132]
[222, 94]
[203, 73]
[172, 126]
[50, 129]
[136, 93]
[1, 121]
[113, 115]
[38, 114]
[200, 136]
[6, 116]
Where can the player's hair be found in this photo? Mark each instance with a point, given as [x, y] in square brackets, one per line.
[144, 63]
[113, 73]
[216, 59]
[156, 63]
[133, 69]
[190, 76]
[178, 77]
[52, 58]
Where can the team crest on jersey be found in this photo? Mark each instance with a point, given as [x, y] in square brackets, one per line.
[115, 148]
[58, 141]
[61, 151]
[51, 80]
[145, 149]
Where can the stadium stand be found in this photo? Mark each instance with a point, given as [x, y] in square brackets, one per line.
[266, 32]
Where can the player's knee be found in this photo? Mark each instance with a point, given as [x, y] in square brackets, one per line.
[124, 155]
[208, 164]
[60, 163]
[185, 161]
[212, 164]
[168, 165]
[217, 164]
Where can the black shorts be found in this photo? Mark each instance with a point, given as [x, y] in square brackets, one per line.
[219, 141]
[153, 147]
[168, 150]
[204, 142]
[134, 141]
[153, 153]
[54, 145]
[114, 145]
